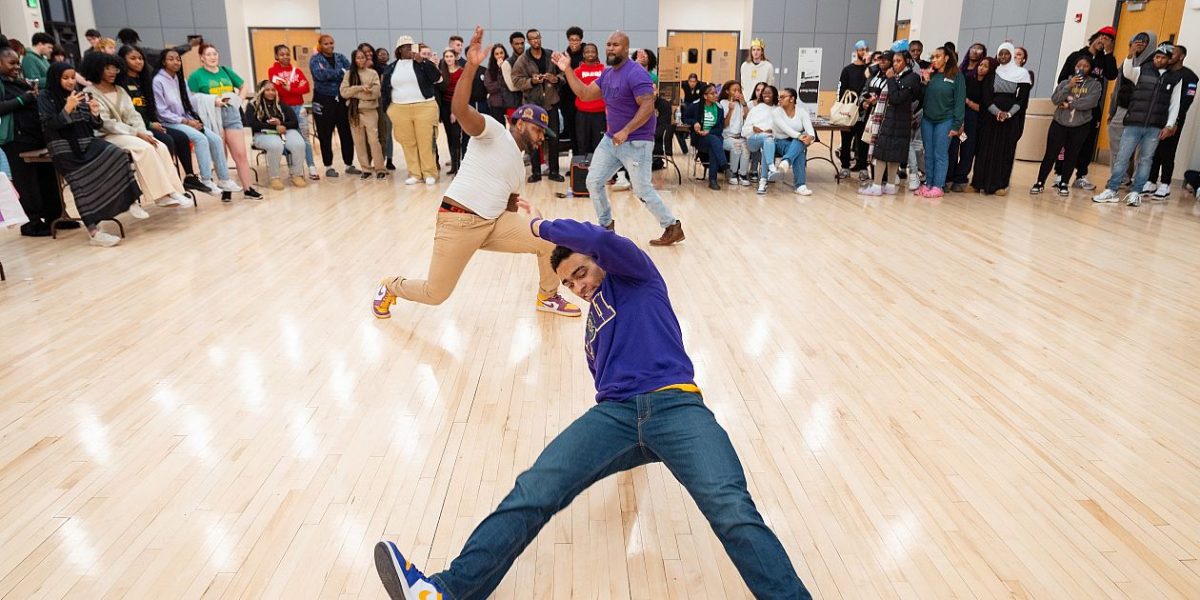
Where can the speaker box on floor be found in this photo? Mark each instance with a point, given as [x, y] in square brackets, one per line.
[579, 173]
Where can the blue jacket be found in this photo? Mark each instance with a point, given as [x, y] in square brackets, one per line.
[327, 80]
[633, 341]
[694, 112]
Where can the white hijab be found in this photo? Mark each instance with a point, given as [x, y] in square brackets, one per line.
[1011, 71]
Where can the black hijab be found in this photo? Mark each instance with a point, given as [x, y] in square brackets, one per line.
[54, 90]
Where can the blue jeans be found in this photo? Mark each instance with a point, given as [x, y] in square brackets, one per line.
[306, 134]
[672, 427]
[636, 158]
[715, 147]
[796, 153]
[209, 149]
[764, 143]
[936, 137]
[1145, 141]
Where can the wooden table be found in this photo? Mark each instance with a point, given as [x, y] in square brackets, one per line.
[822, 124]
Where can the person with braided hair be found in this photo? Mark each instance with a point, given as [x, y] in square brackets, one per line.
[276, 129]
[360, 88]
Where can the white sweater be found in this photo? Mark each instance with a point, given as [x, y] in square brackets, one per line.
[791, 127]
[736, 119]
[761, 116]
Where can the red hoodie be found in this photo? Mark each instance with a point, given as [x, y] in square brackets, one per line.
[279, 74]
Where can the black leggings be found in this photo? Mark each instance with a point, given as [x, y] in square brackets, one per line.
[454, 135]
[178, 145]
[331, 114]
[853, 139]
[1071, 138]
[589, 130]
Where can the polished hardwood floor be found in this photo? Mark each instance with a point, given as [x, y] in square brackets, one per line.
[975, 398]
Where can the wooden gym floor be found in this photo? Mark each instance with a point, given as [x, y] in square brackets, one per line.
[978, 398]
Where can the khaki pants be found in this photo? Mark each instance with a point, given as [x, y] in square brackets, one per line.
[366, 141]
[457, 238]
[412, 126]
[156, 173]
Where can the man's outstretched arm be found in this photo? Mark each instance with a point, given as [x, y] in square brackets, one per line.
[468, 118]
[616, 254]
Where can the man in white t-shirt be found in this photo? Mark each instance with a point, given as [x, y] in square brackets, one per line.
[479, 210]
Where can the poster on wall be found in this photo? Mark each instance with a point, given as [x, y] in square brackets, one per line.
[808, 77]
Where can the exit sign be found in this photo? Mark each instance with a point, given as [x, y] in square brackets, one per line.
[32, 3]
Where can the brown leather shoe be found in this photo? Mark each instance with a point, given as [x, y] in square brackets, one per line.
[670, 235]
[612, 226]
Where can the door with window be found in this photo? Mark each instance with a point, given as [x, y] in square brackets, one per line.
[711, 55]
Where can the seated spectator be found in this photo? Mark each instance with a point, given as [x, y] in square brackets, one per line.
[707, 121]
[735, 107]
[693, 89]
[123, 127]
[174, 103]
[137, 83]
[590, 121]
[759, 131]
[35, 182]
[220, 94]
[98, 172]
[276, 129]
[360, 88]
[793, 135]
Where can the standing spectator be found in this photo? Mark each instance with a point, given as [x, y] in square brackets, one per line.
[123, 127]
[915, 49]
[649, 62]
[368, 51]
[451, 72]
[999, 129]
[276, 128]
[222, 88]
[1153, 116]
[707, 121]
[498, 79]
[892, 115]
[854, 79]
[36, 61]
[733, 103]
[975, 84]
[382, 58]
[1021, 57]
[629, 104]
[517, 41]
[759, 131]
[58, 54]
[793, 135]
[361, 90]
[36, 183]
[944, 109]
[408, 89]
[758, 68]
[291, 84]
[567, 97]
[455, 45]
[1143, 45]
[136, 82]
[1074, 98]
[328, 69]
[93, 38]
[1104, 68]
[98, 172]
[175, 105]
[539, 78]
[589, 116]
[1164, 157]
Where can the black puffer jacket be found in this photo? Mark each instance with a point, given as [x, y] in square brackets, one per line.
[19, 102]
[896, 129]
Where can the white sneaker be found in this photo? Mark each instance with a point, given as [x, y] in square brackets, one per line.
[411, 181]
[227, 185]
[1083, 184]
[136, 211]
[312, 173]
[1133, 199]
[106, 240]
[772, 174]
[430, 181]
[762, 187]
[167, 201]
[783, 166]
[889, 189]
[914, 184]
[1149, 188]
[1163, 191]
[803, 191]
[746, 181]
[1106, 196]
[622, 183]
[212, 187]
[733, 180]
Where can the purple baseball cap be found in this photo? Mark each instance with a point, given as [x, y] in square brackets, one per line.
[532, 113]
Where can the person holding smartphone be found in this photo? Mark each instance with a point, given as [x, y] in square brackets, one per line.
[1075, 99]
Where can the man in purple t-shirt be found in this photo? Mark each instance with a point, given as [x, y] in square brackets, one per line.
[628, 94]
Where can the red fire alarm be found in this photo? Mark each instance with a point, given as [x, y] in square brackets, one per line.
[1078, 17]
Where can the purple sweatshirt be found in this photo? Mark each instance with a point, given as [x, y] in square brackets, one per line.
[633, 341]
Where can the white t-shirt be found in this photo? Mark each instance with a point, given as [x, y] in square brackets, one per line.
[405, 89]
[736, 120]
[492, 170]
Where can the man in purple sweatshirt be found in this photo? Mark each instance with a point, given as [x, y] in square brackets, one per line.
[648, 410]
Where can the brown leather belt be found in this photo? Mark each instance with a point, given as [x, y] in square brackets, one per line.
[455, 208]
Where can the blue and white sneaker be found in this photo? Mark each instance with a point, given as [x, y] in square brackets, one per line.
[400, 578]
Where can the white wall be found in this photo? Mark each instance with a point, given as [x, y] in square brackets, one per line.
[934, 21]
[20, 22]
[244, 14]
[85, 19]
[705, 15]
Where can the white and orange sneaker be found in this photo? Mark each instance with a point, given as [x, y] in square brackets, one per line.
[400, 578]
[558, 305]
[381, 307]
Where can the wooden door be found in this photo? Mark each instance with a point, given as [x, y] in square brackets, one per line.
[262, 50]
[720, 56]
[691, 46]
[1160, 16]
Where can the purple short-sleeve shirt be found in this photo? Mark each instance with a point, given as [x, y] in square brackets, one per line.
[621, 87]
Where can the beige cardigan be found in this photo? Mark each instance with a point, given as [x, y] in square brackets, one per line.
[367, 93]
[119, 118]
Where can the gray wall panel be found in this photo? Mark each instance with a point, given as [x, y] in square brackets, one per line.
[800, 15]
[768, 16]
[787, 25]
[402, 14]
[142, 13]
[210, 15]
[368, 14]
[832, 16]
[160, 22]
[176, 13]
[1035, 24]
